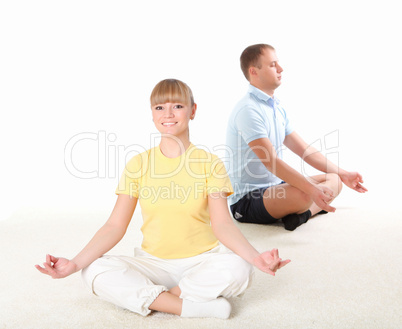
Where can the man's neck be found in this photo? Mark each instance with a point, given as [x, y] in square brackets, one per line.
[268, 92]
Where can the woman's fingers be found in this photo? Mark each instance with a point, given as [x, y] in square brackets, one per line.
[41, 269]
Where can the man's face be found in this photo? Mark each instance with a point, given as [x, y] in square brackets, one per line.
[267, 76]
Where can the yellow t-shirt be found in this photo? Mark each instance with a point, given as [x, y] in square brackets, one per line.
[173, 195]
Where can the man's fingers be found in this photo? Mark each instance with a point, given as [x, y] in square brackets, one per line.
[327, 207]
[323, 203]
[327, 191]
[360, 188]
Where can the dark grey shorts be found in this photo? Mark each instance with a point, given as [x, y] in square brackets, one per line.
[250, 208]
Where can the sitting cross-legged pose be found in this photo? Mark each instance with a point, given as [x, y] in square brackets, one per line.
[266, 188]
[192, 255]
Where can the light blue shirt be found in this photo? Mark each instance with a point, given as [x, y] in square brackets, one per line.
[257, 115]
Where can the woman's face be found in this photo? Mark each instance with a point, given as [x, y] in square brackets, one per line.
[173, 118]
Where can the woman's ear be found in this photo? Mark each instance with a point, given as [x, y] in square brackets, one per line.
[193, 110]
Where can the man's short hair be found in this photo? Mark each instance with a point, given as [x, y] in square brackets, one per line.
[251, 57]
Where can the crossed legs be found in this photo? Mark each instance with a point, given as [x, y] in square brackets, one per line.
[190, 287]
[168, 302]
[282, 200]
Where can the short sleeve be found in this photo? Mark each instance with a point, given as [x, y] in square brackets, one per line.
[288, 127]
[250, 124]
[218, 181]
[130, 179]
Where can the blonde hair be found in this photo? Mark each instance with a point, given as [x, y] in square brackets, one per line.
[171, 91]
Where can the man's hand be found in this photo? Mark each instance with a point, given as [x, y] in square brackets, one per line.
[57, 268]
[322, 197]
[353, 180]
[269, 261]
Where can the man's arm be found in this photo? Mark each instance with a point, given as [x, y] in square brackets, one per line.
[309, 154]
[265, 151]
[318, 161]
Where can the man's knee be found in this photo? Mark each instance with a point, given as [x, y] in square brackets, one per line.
[335, 183]
[304, 199]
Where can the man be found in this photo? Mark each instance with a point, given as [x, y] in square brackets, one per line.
[266, 188]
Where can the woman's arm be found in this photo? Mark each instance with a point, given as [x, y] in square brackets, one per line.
[229, 235]
[104, 240]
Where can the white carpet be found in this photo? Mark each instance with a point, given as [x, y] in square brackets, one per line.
[345, 273]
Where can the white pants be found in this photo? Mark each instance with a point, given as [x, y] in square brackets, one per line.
[135, 282]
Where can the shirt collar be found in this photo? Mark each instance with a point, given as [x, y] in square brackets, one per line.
[261, 95]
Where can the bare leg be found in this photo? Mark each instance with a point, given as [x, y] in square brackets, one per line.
[175, 291]
[282, 200]
[331, 181]
[170, 302]
[167, 302]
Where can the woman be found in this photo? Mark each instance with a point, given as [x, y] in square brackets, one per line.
[192, 256]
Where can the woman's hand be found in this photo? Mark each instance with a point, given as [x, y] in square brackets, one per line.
[269, 261]
[57, 268]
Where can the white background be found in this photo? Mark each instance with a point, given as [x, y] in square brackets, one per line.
[87, 68]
